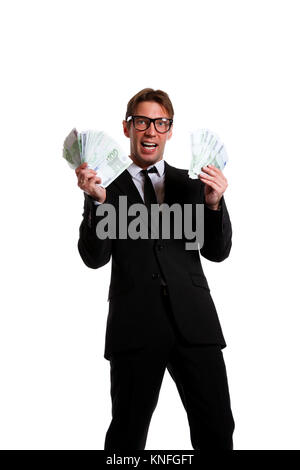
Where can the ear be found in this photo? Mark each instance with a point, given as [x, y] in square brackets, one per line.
[125, 129]
[170, 133]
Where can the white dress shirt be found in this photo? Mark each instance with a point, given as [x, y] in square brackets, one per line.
[157, 179]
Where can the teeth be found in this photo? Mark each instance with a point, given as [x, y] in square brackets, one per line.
[148, 145]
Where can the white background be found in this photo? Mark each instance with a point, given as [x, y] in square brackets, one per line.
[231, 66]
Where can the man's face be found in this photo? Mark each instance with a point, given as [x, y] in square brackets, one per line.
[140, 155]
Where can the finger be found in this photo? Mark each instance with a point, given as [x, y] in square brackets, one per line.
[212, 184]
[205, 175]
[218, 178]
[215, 179]
[217, 183]
[219, 175]
[85, 175]
[80, 167]
[95, 179]
[88, 173]
[92, 182]
[91, 179]
[212, 170]
[207, 169]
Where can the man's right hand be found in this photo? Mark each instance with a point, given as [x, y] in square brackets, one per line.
[89, 182]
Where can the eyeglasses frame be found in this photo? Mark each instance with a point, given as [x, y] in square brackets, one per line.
[151, 120]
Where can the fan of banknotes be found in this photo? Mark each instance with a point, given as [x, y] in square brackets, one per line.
[207, 149]
[99, 150]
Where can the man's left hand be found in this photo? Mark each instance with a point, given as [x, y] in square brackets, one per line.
[215, 185]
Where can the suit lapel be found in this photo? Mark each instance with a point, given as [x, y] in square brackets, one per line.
[173, 181]
[127, 187]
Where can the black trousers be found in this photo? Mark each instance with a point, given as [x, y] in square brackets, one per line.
[199, 373]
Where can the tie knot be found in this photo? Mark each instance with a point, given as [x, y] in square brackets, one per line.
[152, 170]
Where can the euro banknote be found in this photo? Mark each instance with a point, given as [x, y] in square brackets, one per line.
[207, 149]
[99, 150]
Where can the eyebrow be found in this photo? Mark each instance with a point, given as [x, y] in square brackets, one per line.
[138, 115]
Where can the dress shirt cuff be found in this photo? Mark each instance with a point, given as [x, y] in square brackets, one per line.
[94, 200]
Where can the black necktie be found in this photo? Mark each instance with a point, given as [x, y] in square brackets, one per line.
[149, 192]
[150, 198]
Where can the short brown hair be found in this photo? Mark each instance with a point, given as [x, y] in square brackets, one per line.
[148, 94]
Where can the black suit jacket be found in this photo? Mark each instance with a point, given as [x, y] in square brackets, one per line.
[135, 307]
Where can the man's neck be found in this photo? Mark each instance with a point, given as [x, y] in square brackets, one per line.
[144, 165]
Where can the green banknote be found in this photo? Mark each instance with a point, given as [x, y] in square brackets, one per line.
[99, 150]
[71, 149]
[207, 149]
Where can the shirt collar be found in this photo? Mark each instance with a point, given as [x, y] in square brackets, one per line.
[135, 169]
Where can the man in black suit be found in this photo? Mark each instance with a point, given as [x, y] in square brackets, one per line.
[161, 314]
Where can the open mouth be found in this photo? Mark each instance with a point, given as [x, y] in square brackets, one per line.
[149, 145]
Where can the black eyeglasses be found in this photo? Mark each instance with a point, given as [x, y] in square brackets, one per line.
[141, 123]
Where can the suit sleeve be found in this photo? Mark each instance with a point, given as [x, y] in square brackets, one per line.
[217, 233]
[93, 251]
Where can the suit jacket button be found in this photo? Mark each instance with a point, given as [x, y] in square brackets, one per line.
[160, 247]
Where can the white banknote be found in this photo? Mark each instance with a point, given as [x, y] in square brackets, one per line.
[99, 150]
[207, 149]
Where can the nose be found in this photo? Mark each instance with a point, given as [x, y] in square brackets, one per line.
[151, 129]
